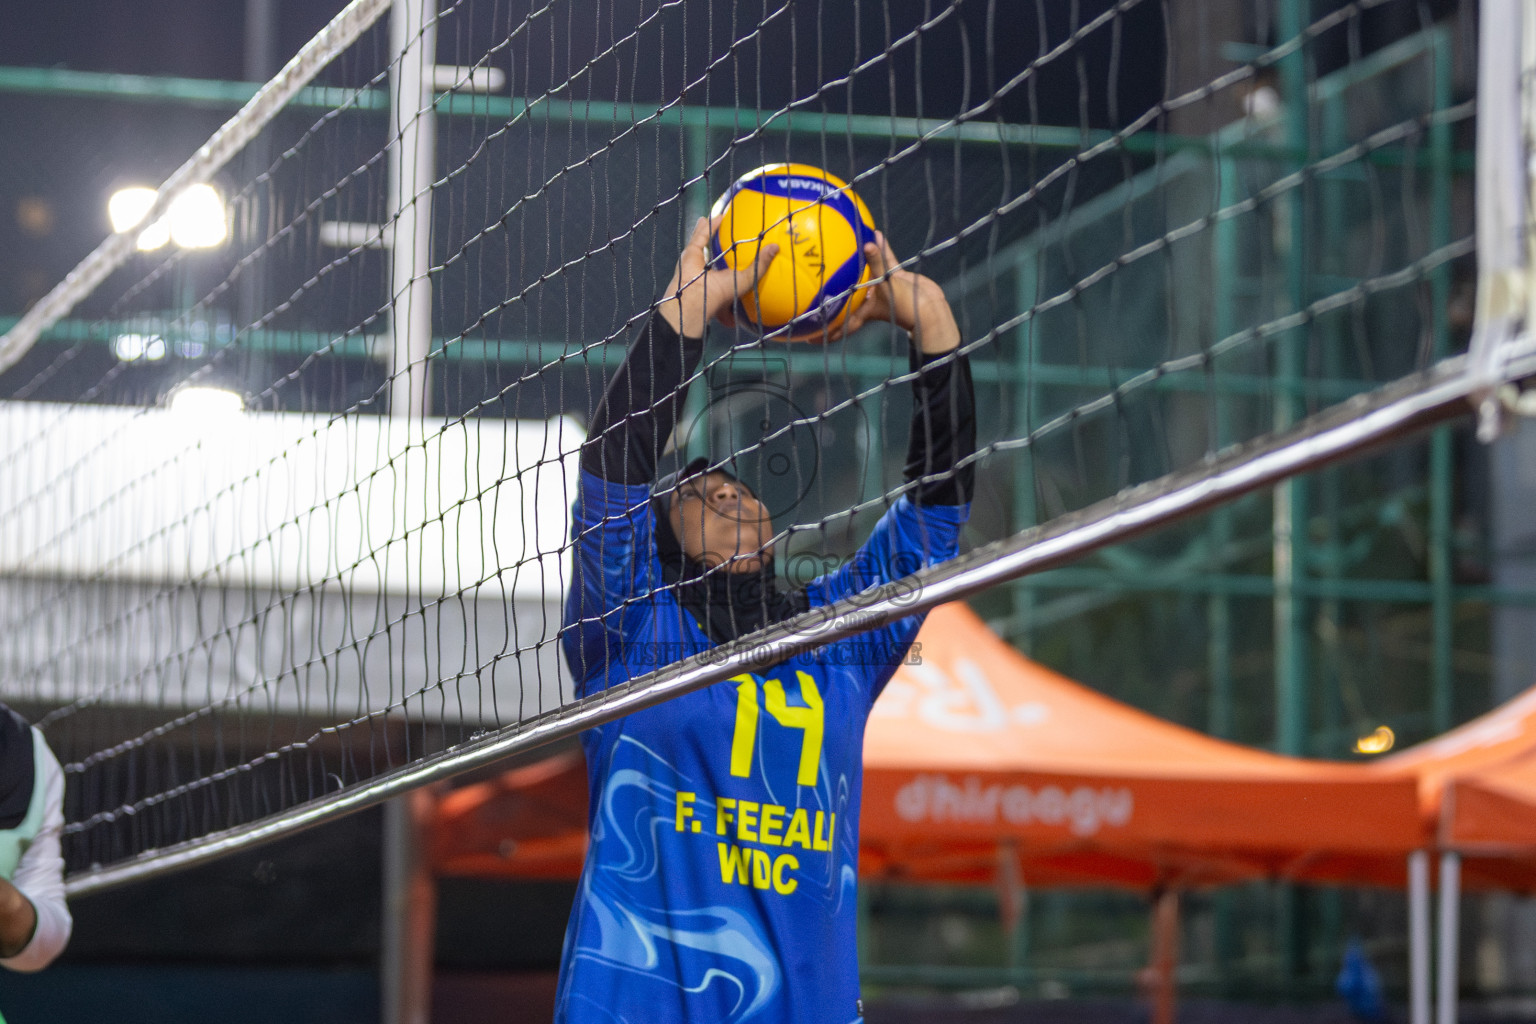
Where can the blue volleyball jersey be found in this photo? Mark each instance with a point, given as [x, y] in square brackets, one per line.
[720, 880]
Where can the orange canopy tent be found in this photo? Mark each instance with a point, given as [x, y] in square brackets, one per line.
[1477, 799]
[1487, 834]
[976, 754]
[529, 822]
[1477, 796]
[1491, 812]
[976, 747]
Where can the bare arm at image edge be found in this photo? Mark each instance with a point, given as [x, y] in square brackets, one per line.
[39, 881]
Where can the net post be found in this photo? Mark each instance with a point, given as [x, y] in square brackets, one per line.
[409, 896]
[412, 170]
[1503, 201]
[410, 909]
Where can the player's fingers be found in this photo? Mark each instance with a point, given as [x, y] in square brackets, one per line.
[746, 277]
[875, 257]
[699, 239]
[886, 252]
[883, 276]
[866, 298]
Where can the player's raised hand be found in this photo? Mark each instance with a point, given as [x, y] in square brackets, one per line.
[698, 294]
[913, 302]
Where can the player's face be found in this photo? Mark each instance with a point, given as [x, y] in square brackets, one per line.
[716, 519]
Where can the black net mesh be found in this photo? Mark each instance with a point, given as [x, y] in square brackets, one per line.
[1164, 228]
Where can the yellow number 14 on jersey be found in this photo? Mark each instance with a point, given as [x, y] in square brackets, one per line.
[809, 719]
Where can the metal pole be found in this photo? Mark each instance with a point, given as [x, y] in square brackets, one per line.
[1418, 937]
[759, 123]
[1441, 456]
[410, 905]
[1224, 263]
[1290, 497]
[410, 910]
[1025, 512]
[260, 65]
[260, 40]
[1446, 980]
[412, 163]
[1333, 225]
[1218, 607]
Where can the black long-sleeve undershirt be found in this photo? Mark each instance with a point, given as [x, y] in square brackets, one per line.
[943, 429]
[643, 402]
[642, 405]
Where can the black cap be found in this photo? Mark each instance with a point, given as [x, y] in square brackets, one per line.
[698, 466]
[675, 562]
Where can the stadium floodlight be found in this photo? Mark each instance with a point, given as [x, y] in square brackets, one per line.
[132, 348]
[205, 402]
[127, 208]
[196, 218]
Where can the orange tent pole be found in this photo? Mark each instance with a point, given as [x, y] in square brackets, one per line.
[1012, 900]
[1159, 979]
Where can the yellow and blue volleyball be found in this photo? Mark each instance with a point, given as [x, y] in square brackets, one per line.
[820, 226]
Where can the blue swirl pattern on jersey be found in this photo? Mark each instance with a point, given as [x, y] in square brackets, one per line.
[720, 880]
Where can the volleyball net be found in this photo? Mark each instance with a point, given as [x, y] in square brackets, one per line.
[284, 522]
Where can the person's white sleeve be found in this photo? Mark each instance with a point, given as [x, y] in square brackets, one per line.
[40, 877]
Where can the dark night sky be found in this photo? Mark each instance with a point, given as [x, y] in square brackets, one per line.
[976, 43]
[192, 38]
